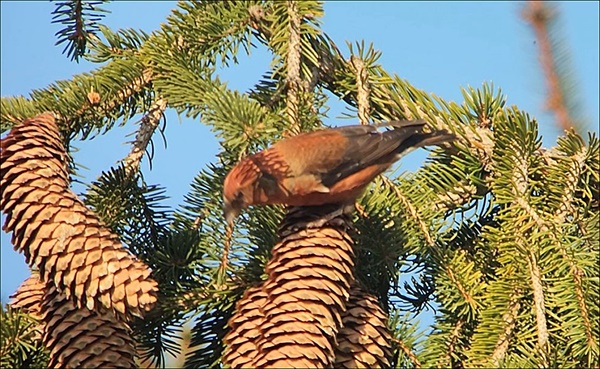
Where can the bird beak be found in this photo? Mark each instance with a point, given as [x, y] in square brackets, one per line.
[230, 212]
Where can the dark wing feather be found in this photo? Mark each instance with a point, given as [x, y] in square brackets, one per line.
[368, 146]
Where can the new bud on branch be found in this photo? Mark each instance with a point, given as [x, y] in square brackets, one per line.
[328, 166]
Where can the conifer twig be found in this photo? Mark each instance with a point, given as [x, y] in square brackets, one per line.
[570, 185]
[148, 125]
[94, 98]
[221, 274]
[572, 177]
[510, 322]
[464, 293]
[363, 89]
[411, 210]
[454, 337]
[520, 190]
[540, 16]
[293, 68]
[539, 305]
[408, 352]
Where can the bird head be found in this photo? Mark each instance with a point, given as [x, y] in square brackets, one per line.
[238, 188]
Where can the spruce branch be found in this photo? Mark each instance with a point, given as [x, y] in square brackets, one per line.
[510, 322]
[573, 175]
[585, 314]
[222, 273]
[408, 352]
[80, 19]
[541, 19]
[214, 31]
[125, 43]
[464, 293]
[539, 303]
[85, 104]
[516, 163]
[462, 193]
[135, 85]
[20, 339]
[293, 67]
[363, 89]
[411, 210]
[454, 337]
[148, 125]
[236, 28]
[575, 271]
[520, 191]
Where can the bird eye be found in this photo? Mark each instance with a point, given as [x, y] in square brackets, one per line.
[239, 195]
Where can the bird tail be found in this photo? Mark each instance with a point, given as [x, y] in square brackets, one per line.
[430, 138]
[419, 138]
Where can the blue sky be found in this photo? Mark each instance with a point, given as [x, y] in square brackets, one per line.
[438, 47]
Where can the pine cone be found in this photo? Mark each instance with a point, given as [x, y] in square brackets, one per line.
[82, 338]
[244, 328]
[28, 297]
[298, 311]
[58, 233]
[364, 341]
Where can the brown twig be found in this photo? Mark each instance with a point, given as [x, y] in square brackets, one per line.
[540, 16]
[293, 68]
[521, 186]
[148, 125]
[510, 322]
[363, 89]
[452, 343]
[225, 257]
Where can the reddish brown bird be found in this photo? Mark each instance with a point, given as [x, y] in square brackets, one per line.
[329, 166]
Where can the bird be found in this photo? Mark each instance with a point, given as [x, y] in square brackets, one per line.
[327, 166]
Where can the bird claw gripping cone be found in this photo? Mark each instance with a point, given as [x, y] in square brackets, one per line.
[58, 234]
[305, 217]
[329, 166]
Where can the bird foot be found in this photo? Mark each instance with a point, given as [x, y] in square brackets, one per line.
[310, 217]
[327, 218]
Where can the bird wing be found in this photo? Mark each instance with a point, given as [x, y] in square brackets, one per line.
[367, 145]
[330, 155]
